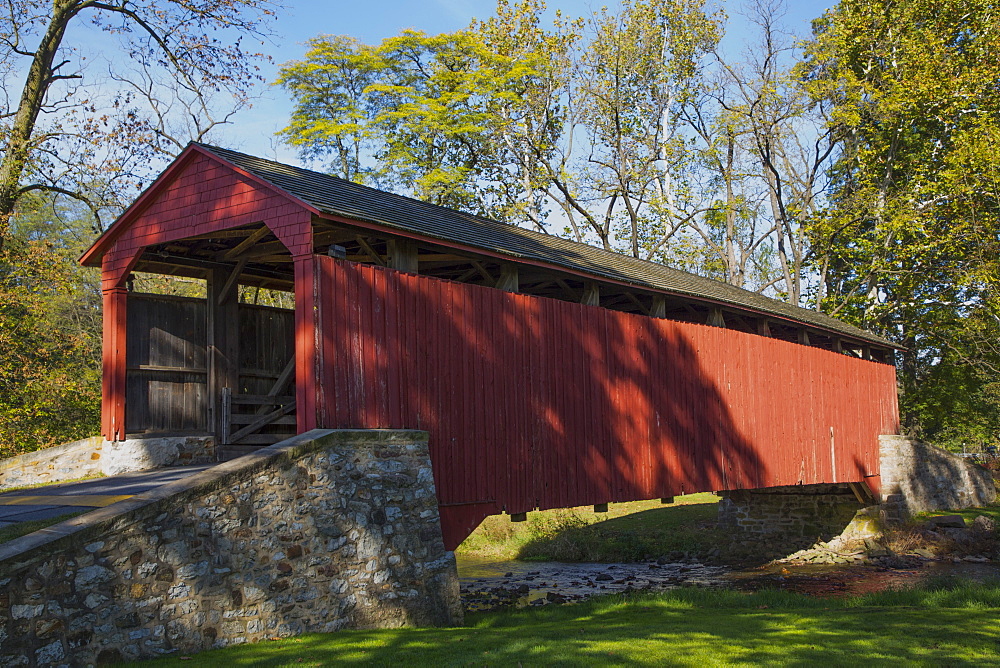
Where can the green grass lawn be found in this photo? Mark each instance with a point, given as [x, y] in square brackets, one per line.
[937, 626]
[970, 514]
[31, 526]
[628, 532]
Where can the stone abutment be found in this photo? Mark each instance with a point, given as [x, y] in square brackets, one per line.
[325, 531]
[915, 477]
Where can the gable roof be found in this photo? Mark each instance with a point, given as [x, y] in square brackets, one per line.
[338, 197]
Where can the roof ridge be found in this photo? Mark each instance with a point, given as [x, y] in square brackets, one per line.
[601, 263]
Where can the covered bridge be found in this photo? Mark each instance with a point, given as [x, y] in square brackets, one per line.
[548, 373]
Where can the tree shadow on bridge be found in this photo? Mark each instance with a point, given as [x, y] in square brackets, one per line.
[536, 403]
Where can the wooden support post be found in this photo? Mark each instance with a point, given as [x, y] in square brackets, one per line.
[509, 279]
[227, 416]
[866, 352]
[838, 345]
[763, 328]
[223, 345]
[804, 337]
[591, 294]
[600, 507]
[307, 328]
[659, 309]
[113, 376]
[715, 317]
[403, 255]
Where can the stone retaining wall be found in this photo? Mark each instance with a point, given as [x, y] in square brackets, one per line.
[142, 454]
[914, 477]
[918, 477]
[94, 457]
[78, 459]
[329, 530]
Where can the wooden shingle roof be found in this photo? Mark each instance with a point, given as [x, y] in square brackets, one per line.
[345, 199]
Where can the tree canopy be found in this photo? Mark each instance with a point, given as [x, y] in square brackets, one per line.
[853, 172]
[81, 130]
[67, 129]
[910, 233]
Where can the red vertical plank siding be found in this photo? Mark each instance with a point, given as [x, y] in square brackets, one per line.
[113, 371]
[533, 402]
[199, 194]
[306, 330]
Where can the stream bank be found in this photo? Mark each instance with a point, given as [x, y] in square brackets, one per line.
[489, 585]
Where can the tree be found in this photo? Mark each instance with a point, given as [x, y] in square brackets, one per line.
[454, 119]
[50, 329]
[767, 147]
[62, 125]
[910, 239]
[637, 74]
[334, 109]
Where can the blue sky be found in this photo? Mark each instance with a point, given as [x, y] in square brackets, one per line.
[374, 20]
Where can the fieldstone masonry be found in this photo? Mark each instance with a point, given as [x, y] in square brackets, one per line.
[799, 511]
[328, 530]
[61, 462]
[95, 456]
[918, 477]
[914, 477]
[142, 454]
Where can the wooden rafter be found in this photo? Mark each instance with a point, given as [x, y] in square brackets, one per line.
[234, 276]
[256, 236]
[367, 248]
[568, 290]
[635, 300]
[478, 266]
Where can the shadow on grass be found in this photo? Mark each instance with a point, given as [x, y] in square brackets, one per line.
[938, 626]
[676, 532]
[659, 532]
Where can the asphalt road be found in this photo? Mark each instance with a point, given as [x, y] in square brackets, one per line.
[54, 500]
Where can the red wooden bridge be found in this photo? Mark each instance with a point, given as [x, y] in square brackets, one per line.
[548, 374]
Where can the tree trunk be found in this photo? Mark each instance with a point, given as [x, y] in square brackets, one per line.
[36, 85]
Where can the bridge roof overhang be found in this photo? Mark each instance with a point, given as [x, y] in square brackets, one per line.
[452, 244]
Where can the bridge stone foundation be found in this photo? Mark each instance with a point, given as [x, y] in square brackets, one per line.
[329, 530]
[915, 477]
[799, 511]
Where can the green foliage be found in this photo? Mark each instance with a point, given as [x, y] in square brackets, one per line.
[909, 243]
[50, 335]
[430, 114]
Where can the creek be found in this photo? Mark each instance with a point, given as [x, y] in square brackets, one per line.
[489, 584]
